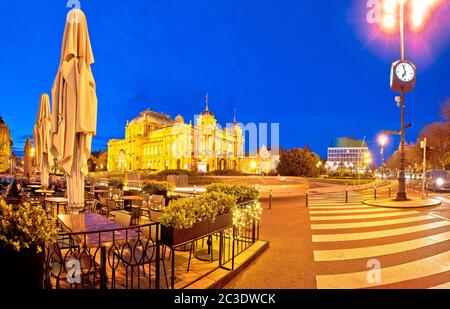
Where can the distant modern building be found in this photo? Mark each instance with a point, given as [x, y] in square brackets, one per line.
[348, 153]
[6, 158]
[155, 142]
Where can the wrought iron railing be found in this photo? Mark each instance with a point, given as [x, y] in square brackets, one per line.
[134, 258]
[241, 237]
[126, 258]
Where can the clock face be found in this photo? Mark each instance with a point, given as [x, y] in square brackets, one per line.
[405, 72]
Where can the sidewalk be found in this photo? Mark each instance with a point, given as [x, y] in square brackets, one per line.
[412, 202]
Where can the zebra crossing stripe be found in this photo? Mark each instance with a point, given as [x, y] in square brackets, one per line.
[364, 216]
[432, 265]
[375, 251]
[378, 234]
[331, 226]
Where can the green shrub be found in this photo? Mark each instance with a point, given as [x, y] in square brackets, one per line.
[242, 193]
[184, 213]
[225, 173]
[166, 173]
[242, 216]
[158, 188]
[25, 227]
[116, 183]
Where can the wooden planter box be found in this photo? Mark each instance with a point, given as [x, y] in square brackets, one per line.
[21, 270]
[172, 237]
[221, 222]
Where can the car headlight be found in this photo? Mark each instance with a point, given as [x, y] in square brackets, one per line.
[439, 181]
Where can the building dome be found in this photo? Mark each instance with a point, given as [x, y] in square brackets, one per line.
[179, 119]
[207, 112]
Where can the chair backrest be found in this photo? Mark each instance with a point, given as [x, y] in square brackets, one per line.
[157, 201]
[90, 207]
[155, 214]
[122, 218]
[117, 192]
[111, 204]
[102, 201]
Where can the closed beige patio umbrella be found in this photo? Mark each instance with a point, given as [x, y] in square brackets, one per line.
[74, 107]
[28, 158]
[42, 139]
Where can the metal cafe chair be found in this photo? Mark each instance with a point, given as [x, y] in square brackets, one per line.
[157, 201]
[139, 252]
[57, 261]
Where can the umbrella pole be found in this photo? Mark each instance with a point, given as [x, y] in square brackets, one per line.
[75, 181]
[44, 171]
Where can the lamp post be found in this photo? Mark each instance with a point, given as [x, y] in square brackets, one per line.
[403, 73]
[382, 140]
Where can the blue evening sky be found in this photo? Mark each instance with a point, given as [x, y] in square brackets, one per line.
[315, 67]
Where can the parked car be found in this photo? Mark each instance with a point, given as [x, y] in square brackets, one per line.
[438, 180]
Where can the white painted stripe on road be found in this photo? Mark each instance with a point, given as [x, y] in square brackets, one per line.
[375, 251]
[349, 211]
[334, 226]
[429, 266]
[444, 199]
[442, 286]
[378, 234]
[365, 216]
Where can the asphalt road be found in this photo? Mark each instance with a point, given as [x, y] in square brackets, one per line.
[330, 243]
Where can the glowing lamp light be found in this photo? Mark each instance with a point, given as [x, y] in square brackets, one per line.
[382, 140]
[253, 164]
[420, 12]
[440, 182]
[388, 21]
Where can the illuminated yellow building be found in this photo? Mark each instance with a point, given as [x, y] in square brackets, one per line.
[155, 142]
[5, 146]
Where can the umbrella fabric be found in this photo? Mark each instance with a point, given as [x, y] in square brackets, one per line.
[42, 139]
[28, 158]
[74, 106]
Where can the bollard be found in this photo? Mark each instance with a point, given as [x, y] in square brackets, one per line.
[270, 199]
[346, 193]
[307, 198]
[389, 190]
[375, 192]
[195, 190]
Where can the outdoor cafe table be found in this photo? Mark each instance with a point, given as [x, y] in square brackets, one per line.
[57, 201]
[102, 233]
[102, 192]
[45, 193]
[34, 186]
[92, 223]
[130, 198]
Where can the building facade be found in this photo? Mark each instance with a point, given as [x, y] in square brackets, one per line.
[5, 147]
[348, 154]
[155, 142]
[265, 161]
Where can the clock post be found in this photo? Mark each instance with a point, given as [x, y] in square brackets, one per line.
[401, 193]
[403, 79]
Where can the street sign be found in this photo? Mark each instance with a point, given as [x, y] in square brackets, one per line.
[389, 132]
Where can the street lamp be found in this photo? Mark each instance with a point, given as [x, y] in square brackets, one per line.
[382, 140]
[403, 72]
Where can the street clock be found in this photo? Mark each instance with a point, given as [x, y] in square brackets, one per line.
[403, 76]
